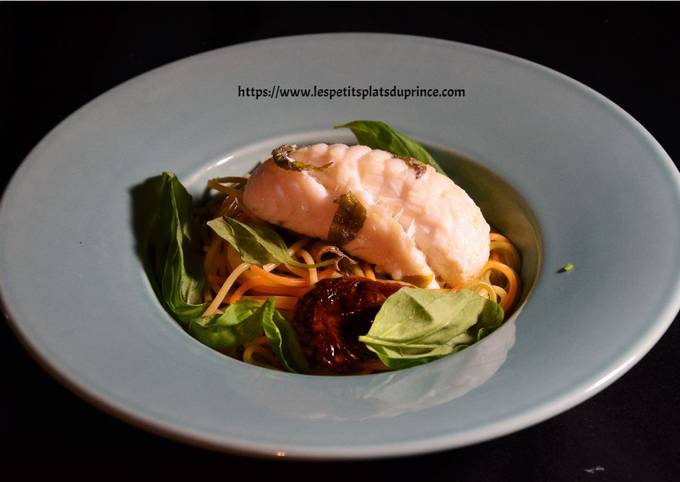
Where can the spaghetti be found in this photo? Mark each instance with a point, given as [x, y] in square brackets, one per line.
[229, 279]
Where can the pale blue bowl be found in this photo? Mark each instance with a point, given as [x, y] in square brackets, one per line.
[566, 173]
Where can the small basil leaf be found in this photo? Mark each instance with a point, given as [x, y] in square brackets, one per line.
[282, 339]
[239, 324]
[380, 135]
[256, 243]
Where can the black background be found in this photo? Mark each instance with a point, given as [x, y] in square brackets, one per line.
[56, 57]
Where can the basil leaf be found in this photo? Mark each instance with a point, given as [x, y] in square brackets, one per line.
[282, 339]
[239, 324]
[168, 246]
[416, 325]
[380, 135]
[491, 318]
[257, 244]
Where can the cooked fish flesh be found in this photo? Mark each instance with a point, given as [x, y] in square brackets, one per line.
[415, 224]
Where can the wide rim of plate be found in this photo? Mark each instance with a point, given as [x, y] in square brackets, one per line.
[570, 397]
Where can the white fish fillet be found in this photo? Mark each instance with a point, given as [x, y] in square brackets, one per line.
[415, 226]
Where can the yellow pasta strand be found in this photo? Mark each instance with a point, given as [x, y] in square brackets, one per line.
[484, 287]
[368, 271]
[225, 189]
[510, 276]
[222, 293]
[312, 274]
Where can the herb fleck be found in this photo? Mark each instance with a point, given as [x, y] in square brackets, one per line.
[566, 268]
[281, 156]
[348, 219]
[414, 164]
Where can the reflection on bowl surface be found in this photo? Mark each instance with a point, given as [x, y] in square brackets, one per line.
[393, 393]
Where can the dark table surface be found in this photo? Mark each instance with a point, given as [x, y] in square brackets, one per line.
[57, 57]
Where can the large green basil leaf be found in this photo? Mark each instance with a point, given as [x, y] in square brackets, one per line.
[168, 245]
[416, 325]
[380, 135]
[257, 243]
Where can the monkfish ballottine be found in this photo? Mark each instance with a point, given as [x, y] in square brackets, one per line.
[410, 221]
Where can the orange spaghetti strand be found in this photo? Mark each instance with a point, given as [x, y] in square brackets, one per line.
[502, 249]
[497, 237]
[254, 286]
[510, 276]
[277, 279]
[242, 290]
[329, 272]
[279, 290]
[282, 302]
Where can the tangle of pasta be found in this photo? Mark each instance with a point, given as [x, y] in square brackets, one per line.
[229, 279]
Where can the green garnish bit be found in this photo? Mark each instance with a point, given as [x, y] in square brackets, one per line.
[566, 268]
[348, 219]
